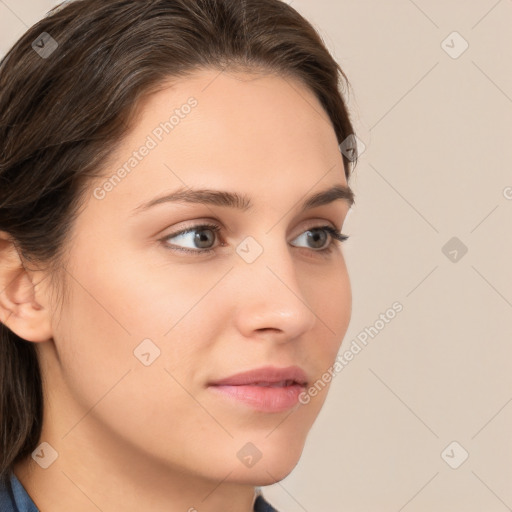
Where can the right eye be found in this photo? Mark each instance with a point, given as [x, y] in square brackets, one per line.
[185, 233]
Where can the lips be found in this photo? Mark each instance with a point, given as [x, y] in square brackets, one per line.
[270, 376]
[267, 389]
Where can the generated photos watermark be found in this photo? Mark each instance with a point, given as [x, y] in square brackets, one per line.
[152, 140]
[348, 355]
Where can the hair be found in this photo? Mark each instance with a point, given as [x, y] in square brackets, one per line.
[64, 113]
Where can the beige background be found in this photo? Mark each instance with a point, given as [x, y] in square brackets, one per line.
[437, 131]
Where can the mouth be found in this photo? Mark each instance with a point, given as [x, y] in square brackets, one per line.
[263, 389]
[281, 384]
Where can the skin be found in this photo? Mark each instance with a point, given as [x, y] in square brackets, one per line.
[133, 437]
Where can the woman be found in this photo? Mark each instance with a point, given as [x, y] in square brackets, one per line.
[173, 287]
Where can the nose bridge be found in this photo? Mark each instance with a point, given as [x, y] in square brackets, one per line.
[272, 296]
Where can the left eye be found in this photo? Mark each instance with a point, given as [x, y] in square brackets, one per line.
[204, 238]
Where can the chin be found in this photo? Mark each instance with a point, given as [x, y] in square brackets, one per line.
[275, 464]
[265, 475]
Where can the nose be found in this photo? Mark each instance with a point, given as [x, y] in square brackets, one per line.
[271, 297]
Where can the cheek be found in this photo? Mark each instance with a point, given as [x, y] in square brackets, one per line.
[330, 297]
[104, 322]
[137, 294]
[122, 308]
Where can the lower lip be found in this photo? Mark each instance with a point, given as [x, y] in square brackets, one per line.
[263, 398]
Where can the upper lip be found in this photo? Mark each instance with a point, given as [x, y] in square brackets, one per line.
[270, 374]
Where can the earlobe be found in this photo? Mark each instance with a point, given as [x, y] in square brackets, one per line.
[20, 311]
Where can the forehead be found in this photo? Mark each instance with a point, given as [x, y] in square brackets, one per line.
[235, 107]
[252, 132]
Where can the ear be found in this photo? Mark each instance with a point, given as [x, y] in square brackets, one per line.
[21, 310]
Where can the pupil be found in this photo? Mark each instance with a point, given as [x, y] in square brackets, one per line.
[200, 237]
[315, 235]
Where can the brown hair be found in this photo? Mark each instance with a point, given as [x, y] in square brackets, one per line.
[69, 89]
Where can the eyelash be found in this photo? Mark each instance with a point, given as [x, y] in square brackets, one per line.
[336, 237]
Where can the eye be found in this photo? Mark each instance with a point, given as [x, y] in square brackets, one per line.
[201, 239]
[319, 236]
[204, 241]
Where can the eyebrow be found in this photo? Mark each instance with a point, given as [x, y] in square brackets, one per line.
[242, 202]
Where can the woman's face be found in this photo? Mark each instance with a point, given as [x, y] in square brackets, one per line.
[149, 327]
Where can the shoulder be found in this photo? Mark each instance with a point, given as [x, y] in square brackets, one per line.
[14, 498]
[6, 497]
